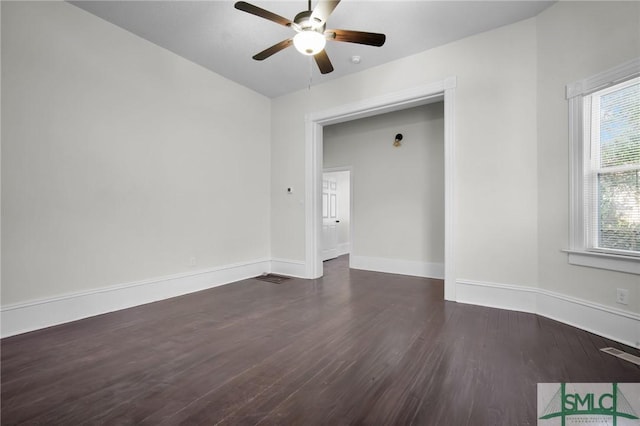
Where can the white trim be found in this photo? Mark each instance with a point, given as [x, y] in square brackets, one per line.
[580, 217]
[576, 157]
[383, 104]
[337, 169]
[606, 78]
[313, 206]
[398, 266]
[607, 261]
[450, 208]
[292, 268]
[615, 324]
[493, 295]
[438, 91]
[36, 314]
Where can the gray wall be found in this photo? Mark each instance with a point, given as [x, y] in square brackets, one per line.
[398, 192]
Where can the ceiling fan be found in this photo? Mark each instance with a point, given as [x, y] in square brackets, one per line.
[311, 33]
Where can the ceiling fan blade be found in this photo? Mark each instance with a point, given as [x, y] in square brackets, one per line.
[372, 39]
[255, 10]
[322, 11]
[273, 49]
[322, 59]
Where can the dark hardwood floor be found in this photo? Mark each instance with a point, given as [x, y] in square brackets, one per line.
[354, 347]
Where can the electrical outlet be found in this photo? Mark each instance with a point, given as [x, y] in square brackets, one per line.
[622, 296]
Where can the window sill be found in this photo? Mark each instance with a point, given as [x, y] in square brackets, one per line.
[611, 262]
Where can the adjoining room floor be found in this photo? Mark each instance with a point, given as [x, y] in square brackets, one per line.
[353, 347]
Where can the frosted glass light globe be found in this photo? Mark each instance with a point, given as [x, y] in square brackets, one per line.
[309, 42]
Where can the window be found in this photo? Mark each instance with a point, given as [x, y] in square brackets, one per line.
[604, 119]
[613, 172]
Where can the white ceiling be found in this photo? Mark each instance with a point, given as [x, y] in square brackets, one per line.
[217, 36]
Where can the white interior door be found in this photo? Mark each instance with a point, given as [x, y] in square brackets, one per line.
[329, 218]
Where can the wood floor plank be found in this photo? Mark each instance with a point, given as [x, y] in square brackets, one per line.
[351, 348]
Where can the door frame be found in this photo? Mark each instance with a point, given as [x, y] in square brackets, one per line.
[443, 90]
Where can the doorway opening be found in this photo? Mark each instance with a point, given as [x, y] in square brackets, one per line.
[336, 212]
[398, 190]
[439, 91]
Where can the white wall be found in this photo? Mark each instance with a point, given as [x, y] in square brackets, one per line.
[120, 160]
[398, 192]
[575, 40]
[496, 226]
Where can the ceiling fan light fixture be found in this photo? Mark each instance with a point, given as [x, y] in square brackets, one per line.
[311, 33]
[309, 42]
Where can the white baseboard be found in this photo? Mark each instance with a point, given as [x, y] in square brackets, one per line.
[292, 268]
[397, 266]
[502, 296]
[33, 315]
[615, 324]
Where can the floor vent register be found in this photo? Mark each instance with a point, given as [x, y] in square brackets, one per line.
[622, 355]
[272, 278]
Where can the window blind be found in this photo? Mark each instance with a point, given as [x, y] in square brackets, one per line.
[614, 171]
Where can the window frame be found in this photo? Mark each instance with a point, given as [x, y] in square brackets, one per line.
[581, 251]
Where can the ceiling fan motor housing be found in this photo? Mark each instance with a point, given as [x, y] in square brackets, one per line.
[305, 22]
